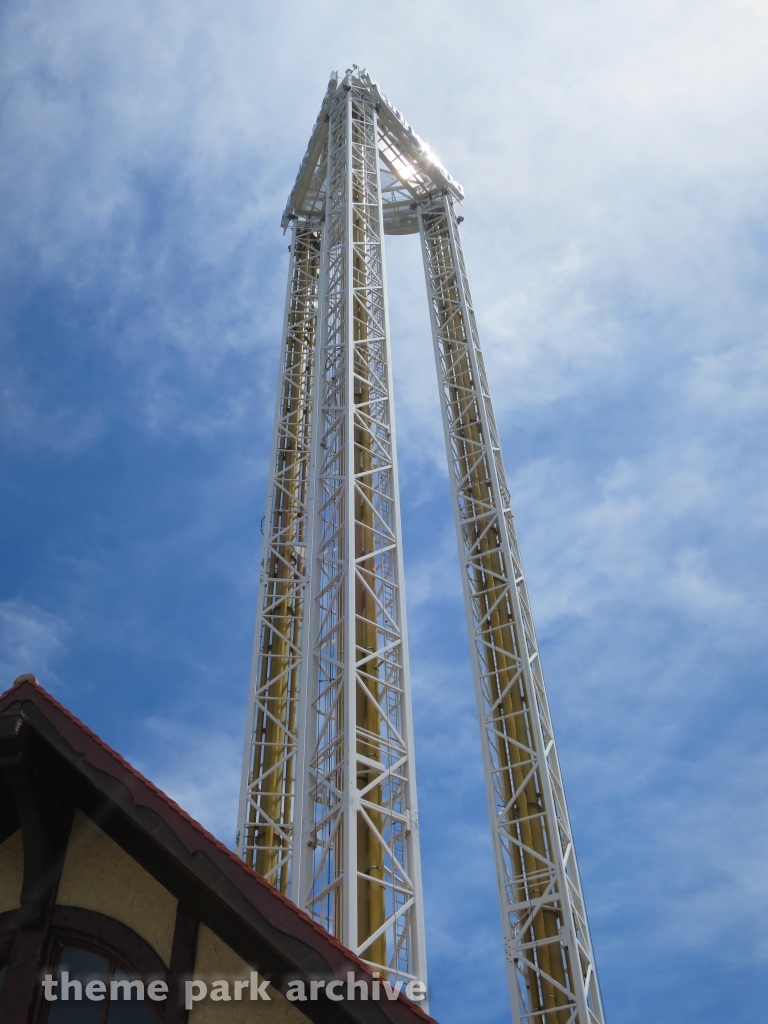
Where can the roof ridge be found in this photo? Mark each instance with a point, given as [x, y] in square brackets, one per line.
[37, 690]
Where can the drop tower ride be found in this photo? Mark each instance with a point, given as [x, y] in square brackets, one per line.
[328, 800]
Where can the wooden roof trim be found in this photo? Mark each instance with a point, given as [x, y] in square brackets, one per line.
[29, 697]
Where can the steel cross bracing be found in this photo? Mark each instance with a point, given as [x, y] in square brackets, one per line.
[268, 791]
[549, 954]
[328, 803]
[360, 872]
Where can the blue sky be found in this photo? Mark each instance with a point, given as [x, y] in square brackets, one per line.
[614, 156]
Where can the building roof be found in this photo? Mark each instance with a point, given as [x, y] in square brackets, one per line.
[244, 910]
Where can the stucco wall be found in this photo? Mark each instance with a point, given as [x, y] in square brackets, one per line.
[99, 875]
[11, 872]
[215, 960]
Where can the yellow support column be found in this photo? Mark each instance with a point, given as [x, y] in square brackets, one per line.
[267, 807]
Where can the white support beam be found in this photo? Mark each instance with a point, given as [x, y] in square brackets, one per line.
[550, 966]
[328, 803]
[273, 741]
[360, 865]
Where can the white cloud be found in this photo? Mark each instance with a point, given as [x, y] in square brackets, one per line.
[199, 768]
[433, 573]
[27, 421]
[630, 535]
[606, 148]
[715, 881]
[30, 640]
[614, 156]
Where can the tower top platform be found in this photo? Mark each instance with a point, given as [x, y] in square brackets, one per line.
[415, 171]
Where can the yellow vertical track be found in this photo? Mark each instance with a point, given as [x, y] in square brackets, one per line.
[328, 804]
[362, 863]
[371, 907]
[269, 815]
[530, 838]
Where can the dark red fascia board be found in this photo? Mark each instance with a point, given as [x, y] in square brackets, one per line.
[243, 900]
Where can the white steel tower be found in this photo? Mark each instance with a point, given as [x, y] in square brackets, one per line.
[328, 801]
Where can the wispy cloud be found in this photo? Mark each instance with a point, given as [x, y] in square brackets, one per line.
[197, 767]
[614, 157]
[30, 640]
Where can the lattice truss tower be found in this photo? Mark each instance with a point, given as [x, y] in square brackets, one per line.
[328, 803]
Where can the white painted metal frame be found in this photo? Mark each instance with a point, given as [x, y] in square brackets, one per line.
[267, 811]
[549, 954]
[361, 869]
[328, 803]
